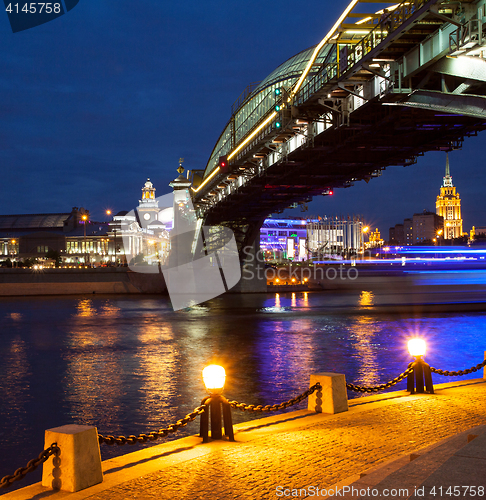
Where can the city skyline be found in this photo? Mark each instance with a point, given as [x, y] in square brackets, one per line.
[95, 102]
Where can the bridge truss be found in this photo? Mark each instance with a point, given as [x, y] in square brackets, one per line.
[380, 89]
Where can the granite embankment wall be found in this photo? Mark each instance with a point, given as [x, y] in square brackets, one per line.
[15, 282]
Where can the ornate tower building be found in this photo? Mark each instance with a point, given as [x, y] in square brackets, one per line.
[448, 205]
[148, 207]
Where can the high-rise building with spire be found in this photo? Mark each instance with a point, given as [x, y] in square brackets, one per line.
[448, 205]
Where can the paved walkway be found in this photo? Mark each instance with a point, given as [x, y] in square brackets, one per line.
[275, 457]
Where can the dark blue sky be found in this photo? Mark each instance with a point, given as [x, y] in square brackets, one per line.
[114, 92]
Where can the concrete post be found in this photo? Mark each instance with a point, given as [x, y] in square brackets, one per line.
[332, 398]
[79, 464]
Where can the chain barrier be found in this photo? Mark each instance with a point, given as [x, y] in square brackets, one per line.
[152, 436]
[360, 388]
[276, 407]
[459, 373]
[21, 472]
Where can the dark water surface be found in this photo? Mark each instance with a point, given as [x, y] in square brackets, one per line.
[130, 364]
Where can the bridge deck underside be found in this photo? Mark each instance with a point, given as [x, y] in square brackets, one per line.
[378, 136]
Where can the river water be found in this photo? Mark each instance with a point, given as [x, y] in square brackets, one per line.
[130, 364]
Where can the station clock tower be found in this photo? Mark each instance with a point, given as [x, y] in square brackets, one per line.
[148, 206]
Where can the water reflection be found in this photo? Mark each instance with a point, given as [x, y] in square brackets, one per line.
[157, 367]
[363, 331]
[14, 382]
[85, 308]
[366, 299]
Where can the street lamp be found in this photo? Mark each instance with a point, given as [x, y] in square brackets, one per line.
[84, 217]
[114, 233]
[421, 370]
[12, 250]
[214, 378]
[439, 233]
[364, 231]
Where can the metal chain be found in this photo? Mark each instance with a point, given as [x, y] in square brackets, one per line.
[460, 372]
[281, 406]
[21, 472]
[358, 388]
[152, 436]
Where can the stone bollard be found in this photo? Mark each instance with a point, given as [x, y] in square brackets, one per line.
[78, 466]
[332, 398]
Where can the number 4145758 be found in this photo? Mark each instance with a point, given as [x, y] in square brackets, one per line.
[34, 7]
[458, 491]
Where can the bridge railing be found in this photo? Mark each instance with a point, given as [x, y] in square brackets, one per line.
[338, 61]
[349, 55]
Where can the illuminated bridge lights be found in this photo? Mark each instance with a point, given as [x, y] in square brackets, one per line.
[223, 163]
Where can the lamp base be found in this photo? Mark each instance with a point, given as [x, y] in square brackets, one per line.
[420, 377]
[216, 404]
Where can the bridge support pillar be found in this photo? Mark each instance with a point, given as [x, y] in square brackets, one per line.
[253, 279]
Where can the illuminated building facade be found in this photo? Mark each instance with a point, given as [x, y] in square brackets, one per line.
[301, 239]
[32, 236]
[282, 239]
[79, 242]
[335, 236]
[427, 226]
[478, 234]
[375, 240]
[448, 206]
[145, 230]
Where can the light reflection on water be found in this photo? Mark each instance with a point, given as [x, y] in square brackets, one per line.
[131, 364]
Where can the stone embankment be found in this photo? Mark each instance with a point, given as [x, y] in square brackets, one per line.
[386, 442]
[110, 280]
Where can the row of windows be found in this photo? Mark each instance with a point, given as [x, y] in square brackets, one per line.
[91, 246]
[292, 234]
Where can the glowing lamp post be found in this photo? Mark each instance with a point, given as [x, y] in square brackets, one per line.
[364, 231]
[421, 370]
[84, 217]
[12, 251]
[214, 378]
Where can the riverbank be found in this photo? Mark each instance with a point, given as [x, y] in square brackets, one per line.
[109, 280]
[415, 278]
[392, 440]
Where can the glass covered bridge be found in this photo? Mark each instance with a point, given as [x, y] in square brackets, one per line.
[383, 86]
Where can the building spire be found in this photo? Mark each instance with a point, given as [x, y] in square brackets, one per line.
[447, 179]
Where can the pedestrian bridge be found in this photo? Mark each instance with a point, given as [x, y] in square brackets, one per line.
[382, 87]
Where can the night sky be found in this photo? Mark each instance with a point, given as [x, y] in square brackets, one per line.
[114, 92]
